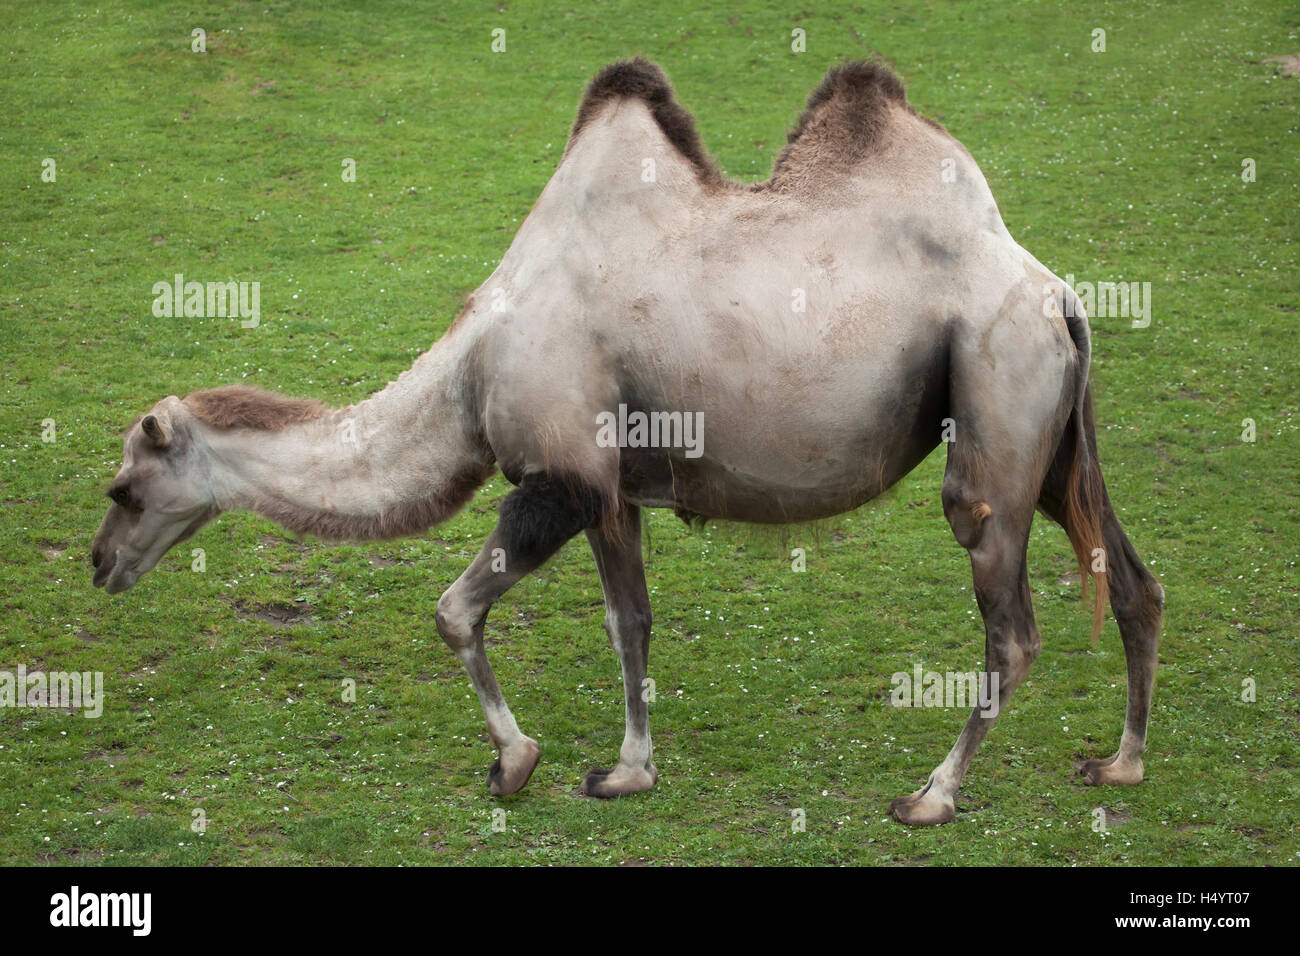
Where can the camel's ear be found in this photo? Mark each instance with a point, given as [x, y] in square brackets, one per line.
[157, 429]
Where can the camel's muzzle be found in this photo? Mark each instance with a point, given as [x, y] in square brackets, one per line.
[102, 569]
[105, 568]
[101, 575]
[116, 576]
[112, 573]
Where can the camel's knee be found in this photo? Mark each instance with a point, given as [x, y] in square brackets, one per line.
[1134, 593]
[1138, 601]
[456, 620]
[1010, 657]
[1012, 632]
[1025, 650]
[1003, 596]
[628, 627]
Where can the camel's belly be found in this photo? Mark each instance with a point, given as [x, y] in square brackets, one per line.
[766, 458]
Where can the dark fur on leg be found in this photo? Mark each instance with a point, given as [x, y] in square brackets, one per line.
[544, 512]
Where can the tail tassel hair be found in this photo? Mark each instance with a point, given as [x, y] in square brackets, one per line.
[1084, 497]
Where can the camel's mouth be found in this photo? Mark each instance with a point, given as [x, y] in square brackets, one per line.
[116, 576]
[119, 569]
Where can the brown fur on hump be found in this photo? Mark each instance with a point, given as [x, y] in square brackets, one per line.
[243, 406]
[638, 78]
[846, 118]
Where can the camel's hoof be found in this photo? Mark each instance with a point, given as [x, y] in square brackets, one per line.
[620, 781]
[511, 770]
[926, 807]
[1111, 772]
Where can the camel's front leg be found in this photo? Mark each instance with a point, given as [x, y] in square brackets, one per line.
[627, 621]
[537, 518]
[462, 611]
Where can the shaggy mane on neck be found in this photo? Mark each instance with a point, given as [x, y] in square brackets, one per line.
[243, 406]
[401, 520]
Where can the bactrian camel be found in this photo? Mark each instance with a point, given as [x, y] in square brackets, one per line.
[825, 328]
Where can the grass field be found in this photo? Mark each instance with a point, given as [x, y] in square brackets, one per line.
[223, 687]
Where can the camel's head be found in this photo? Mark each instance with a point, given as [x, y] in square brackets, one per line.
[161, 495]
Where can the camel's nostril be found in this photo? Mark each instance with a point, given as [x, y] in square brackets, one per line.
[95, 557]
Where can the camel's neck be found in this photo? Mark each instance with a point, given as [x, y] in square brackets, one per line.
[403, 460]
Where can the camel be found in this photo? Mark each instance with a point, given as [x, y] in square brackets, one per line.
[825, 329]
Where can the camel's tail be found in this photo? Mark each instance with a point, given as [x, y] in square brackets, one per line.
[1074, 492]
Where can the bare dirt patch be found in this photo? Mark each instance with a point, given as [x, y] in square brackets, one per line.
[277, 613]
[1289, 65]
[52, 550]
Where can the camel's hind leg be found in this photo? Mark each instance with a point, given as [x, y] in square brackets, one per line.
[996, 535]
[1138, 603]
[1011, 397]
[1135, 597]
[536, 519]
[627, 622]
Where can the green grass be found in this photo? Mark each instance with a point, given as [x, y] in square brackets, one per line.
[772, 684]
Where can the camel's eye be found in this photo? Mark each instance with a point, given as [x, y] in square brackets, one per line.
[121, 495]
